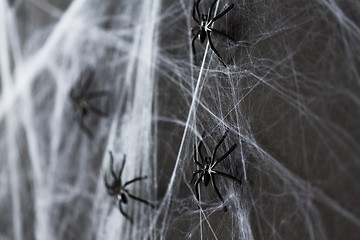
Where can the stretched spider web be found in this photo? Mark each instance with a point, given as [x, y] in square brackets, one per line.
[290, 97]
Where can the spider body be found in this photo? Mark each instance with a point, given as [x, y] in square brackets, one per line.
[207, 171]
[80, 103]
[118, 190]
[81, 98]
[203, 29]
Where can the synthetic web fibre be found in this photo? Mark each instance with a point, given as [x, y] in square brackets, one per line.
[289, 97]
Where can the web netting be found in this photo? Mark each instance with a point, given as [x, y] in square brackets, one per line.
[288, 97]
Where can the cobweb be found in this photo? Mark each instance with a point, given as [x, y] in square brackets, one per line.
[289, 96]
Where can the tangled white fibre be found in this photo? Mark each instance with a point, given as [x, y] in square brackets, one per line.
[289, 96]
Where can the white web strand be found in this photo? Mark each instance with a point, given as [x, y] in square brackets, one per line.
[290, 98]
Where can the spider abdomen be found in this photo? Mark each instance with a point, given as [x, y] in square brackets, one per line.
[206, 178]
[202, 36]
[123, 198]
[84, 111]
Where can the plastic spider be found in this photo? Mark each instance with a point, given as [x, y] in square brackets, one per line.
[207, 170]
[81, 100]
[118, 190]
[204, 28]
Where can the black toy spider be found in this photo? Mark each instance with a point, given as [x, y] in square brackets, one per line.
[207, 170]
[204, 28]
[118, 190]
[81, 100]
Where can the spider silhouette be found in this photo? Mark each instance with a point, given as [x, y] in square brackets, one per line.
[81, 97]
[118, 190]
[204, 28]
[207, 172]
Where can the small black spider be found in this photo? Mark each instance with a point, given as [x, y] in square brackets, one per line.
[207, 170]
[204, 28]
[81, 100]
[118, 190]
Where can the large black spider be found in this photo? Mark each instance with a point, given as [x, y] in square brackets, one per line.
[204, 28]
[81, 98]
[207, 170]
[118, 190]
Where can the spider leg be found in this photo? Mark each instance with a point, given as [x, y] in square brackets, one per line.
[140, 200]
[222, 13]
[217, 192]
[112, 166]
[193, 29]
[196, 186]
[73, 94]
[97, 111]
[214, 49]
[225, 155]
[98, 94]
[106, 182]
[124, 214]
[134, 180]
[223, 34]
[195, 157]
[218, 145]
[194, 175]
[199, 150]
[194, 13]
[88, 75]
[197, 8]
[193, 44]
[122, 167]
[84, 128]
[211, 9]
[228, 176]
